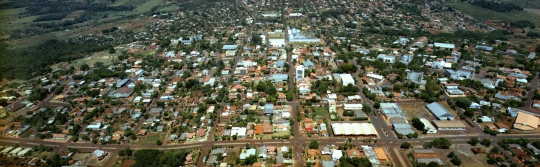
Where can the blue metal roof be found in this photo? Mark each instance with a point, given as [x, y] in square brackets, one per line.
[229, 47]
[439, 111]
[279, 77]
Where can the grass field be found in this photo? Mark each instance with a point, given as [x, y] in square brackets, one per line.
[147, 6]
[151, 139]
[524, 3]
[486, 14]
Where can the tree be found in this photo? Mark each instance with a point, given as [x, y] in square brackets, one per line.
[235, 137]
[366, 109]
[451, 155]
[147, 157]
[456, 161]
[486, 142]
[418, 124]
[474, 141]
[159, 142]
[314, 144]
[406, 145]
[250, 160]
[84, 67]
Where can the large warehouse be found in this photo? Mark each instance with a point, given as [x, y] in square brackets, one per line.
[354, 129]
[439, 111]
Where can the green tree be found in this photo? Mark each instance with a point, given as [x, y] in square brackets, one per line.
[159, 142]
[314, 144]
[486, 142]
[406, 145]
[366, 109]
[418, 124]
[474, 141]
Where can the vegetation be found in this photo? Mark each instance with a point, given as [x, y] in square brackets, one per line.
[406, 145]
[441, 143]
[474, 141]
[314, 144]
[154, 157]
[498, 7]
[417, 124]
[354, 162]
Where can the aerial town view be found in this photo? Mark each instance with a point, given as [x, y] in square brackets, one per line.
[270, 83]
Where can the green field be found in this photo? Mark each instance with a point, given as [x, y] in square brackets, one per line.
[524, 3]
[486, 14]
[147, 6]
[152, 138]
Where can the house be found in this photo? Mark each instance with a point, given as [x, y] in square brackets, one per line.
[240, 132]
[336, 154]
[99, 154]
[247, 153]
[526, 122]
[381, 154]
[346, 79]
[60, 136]
[416, 77]
[262, 152]
[439, 111]
[269, 109]
[386, 58]
[459, 75]
[278, 78]
[428, 127]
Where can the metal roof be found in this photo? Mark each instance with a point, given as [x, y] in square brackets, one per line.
[439, 111]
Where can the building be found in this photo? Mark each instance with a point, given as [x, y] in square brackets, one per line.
[426, 156]
[444, 45]
[122, 92]
[381, 154]
[354, 129]
[371, 155]
[526, 122]
[122, 82]
[352, 106]
[346, 79]
[299, 73]
[99, 154]
[416, 77]
[295, 35]
[449, 125]
[428, 127]
[459, 75]
[386, 58]
[276, 78]
[336, 155]
[331, 106]
[403, 128]
[439, 111]
[240, 132]
[229, 47]
[269, 109]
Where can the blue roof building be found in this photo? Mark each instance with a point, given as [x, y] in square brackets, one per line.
[484, 48]
[416, 77]
[309, 64]
[406, 59]
[269, 109]
[122, 82]
[279, 77]
[439, 111]
[229, 47]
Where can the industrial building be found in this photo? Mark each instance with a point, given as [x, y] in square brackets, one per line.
[526, 122]
[439, 111]
[449, 125]
[428, 127]
[354, 129]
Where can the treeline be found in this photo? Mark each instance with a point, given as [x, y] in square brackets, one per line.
[52, 16]
[52, 7]
[498, 7]
[523, 24]
[332, 13]
[25, 63]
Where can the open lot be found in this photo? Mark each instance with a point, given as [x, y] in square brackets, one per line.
[468, 158]
[151, 139]
[419, 110]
